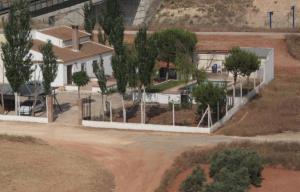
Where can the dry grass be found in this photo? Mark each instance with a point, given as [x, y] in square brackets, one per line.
[224, 15]
[21, 139]
[286, 155]
[27, 164]
[293, 43]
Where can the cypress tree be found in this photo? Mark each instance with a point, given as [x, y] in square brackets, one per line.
[16, 57]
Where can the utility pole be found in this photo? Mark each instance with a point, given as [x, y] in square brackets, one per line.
[270, 17]
[293, 15]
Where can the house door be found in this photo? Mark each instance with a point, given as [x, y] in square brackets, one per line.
[69, 74]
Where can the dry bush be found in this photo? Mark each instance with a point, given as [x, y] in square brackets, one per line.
[274, 154]
[293, 43]
[21, 139]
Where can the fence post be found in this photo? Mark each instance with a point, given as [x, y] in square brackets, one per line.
[233, 92]
[241, 91]
[49, 106]
[254, 80]
[80, 111]
[110, 111]
[173, 108]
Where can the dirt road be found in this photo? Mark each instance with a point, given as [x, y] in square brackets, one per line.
[137, 159]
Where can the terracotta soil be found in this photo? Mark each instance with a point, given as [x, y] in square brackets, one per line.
[274, 180]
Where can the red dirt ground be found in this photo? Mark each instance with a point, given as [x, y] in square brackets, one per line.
[274, 180]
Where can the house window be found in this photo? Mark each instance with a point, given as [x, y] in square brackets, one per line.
[94, 62]
[82, 66]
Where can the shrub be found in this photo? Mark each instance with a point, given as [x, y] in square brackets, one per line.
[226, 180]
[195, 182]
[209, 94]
[236, 159]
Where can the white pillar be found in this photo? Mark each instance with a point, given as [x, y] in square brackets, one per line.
[173, 108]
[110, 111]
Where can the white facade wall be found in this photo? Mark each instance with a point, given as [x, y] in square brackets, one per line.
[43, 37]
[206, 60]
[88, 66]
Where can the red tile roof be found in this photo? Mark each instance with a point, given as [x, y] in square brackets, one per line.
[67, 55]
[63, 32]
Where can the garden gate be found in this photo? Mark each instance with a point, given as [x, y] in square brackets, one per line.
[86, 108]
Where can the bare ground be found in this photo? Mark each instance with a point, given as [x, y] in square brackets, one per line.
[31, 166]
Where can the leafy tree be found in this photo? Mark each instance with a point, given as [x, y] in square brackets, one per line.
[16, 57]
[236, 159]
[241, 62]
[100, 75]
[116, 36]
[49, 66]
[185, 67]
[80, 79]
[111, 14]
[195, 182]
[209, 94]
[146, 56]
[172, 41]
[132, 63]
[89, 17]
[201, 76]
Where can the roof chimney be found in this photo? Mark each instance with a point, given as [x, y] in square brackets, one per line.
[75, 38]
[95, 34]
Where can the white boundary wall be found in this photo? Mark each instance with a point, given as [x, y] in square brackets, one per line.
[144, 127]
[28, 119]
[267, 78]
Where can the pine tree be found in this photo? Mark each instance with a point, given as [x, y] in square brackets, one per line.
[49, 67]
[100, 75]
[110, 18]
[89, 17]
[146, 56]
[16, 57]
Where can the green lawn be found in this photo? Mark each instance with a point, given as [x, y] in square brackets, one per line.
[164, 86]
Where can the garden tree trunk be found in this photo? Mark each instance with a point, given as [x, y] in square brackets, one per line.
[35, 98]
[2, 91]
[102, 106]
[248, 83]
[124, 110]
[16, 103]
[50, 112]
[167, 72]
[78, 92]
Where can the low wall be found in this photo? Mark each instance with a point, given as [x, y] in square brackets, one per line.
[144, 127]
[28, 119]
[159, 98]
[236, 108]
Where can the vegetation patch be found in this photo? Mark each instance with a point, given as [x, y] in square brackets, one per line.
[164, 86]
[21, 139]
[293, 43]
[286, 155]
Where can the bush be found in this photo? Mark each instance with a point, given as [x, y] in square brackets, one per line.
[236, 159]
[226, 180]
[195, 182]
[209, 94]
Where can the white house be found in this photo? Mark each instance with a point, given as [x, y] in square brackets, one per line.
[74, 49]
